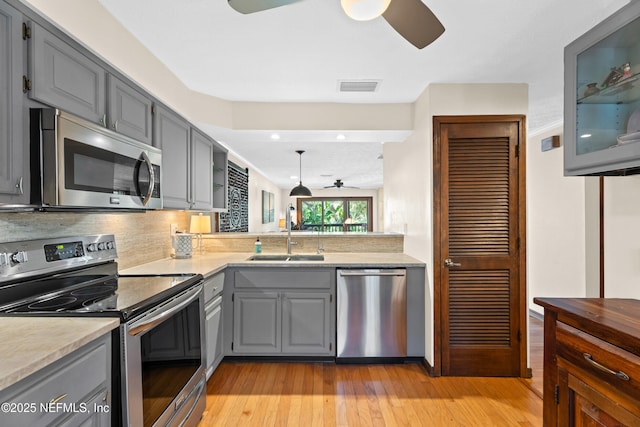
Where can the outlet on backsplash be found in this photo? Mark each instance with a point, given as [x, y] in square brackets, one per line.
[173, 228]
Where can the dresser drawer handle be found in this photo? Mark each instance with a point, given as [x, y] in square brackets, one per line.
[618, 374]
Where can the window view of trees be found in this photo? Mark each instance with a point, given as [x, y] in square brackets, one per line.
[335, 214]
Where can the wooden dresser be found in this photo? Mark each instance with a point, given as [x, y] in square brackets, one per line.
[591, 361]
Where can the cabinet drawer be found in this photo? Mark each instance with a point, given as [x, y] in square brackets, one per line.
[213, 286]
[283, 278]
[599, 358]
[61, 387]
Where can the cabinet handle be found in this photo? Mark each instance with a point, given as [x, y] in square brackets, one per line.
[103, 120]
[19, 186]
[57, 399]
[618, 374]
[115, 125]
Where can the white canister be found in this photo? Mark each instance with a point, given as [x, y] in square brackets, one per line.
[183, 245]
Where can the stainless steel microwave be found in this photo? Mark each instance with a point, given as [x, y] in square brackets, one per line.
[78, 164]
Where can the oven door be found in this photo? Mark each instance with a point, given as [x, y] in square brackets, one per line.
[163, 372]
[85, 165]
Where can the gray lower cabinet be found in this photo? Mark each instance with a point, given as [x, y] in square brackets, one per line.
[73, 391]
[213, 288]
[63, 77]
[283, 311]
[12, 147]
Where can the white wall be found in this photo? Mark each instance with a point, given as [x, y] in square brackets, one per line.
[408, 171]
[622, 237]
[556, 224]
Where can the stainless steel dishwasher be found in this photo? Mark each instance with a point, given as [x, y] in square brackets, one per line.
[371, 314]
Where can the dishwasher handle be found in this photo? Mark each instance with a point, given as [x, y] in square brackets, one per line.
[347, 273]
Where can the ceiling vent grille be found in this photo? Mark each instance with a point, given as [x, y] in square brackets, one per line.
[358, 85]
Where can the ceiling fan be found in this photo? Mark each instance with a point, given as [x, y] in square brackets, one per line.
[412, 19]
[339, 184]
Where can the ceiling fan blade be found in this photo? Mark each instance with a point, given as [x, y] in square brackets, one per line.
[251, 6]
[414, 21]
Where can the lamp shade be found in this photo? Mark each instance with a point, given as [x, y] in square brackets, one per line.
[282, 223]
[200, 224]
[364, 10]
[300, 191]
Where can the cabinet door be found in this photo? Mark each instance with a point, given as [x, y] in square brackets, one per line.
[129, 111]
[64, 78]
[306, 322]
[171, 134]
[213, 327]
[220, 178]
[12, 146]
[583, 404]
[256, 322]
[201, 171]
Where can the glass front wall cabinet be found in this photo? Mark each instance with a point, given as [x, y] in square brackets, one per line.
[602, 97]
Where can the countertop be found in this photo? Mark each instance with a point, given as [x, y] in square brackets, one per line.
[31, 343]
[210, 263]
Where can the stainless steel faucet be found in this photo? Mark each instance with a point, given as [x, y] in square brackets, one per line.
[288, 219]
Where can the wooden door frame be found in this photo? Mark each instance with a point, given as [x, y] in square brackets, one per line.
[438, 121]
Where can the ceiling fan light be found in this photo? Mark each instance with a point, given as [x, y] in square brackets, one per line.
[364, 10]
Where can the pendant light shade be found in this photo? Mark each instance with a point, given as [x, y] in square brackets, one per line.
[300, 190]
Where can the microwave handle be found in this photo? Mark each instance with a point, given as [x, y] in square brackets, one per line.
[152, 179]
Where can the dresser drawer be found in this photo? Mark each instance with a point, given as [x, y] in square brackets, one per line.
[599, 358]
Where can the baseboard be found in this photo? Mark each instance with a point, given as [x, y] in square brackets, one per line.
[427, 367]
[536, 315]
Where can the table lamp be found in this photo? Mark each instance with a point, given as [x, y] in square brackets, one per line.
[200, 224]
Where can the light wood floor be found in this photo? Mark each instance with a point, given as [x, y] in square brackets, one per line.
[326, 394]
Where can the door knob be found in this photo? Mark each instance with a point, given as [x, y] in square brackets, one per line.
[449, 263]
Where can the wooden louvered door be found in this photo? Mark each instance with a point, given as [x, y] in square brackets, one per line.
[479, 230]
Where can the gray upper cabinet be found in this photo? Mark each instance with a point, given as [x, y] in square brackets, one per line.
[12, 146]
[67, 78]
[201, 171]
[63, 77]
[171, 133]
[128, 110]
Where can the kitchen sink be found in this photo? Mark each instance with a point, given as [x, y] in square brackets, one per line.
[307, 257]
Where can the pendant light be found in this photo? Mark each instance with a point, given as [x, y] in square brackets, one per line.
[300, 190]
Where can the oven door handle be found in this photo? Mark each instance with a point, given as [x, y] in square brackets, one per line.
[152, 179]
[167, 310]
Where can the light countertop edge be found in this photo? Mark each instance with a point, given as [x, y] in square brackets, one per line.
[211, 263]
[32, 343]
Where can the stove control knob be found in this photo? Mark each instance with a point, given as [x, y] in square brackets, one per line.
[4, 259]
[19, 257]
[101, 246]
[91, 247]
[110, 245]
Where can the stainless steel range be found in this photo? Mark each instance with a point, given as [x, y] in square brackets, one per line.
[161, 335]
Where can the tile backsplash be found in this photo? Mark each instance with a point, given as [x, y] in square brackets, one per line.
[140, 237]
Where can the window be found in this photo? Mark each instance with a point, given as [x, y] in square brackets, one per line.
[335, 214]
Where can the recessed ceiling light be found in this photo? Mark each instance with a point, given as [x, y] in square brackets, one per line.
[275, 136]
[340, 137]
[585, 135]
[293, 177]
